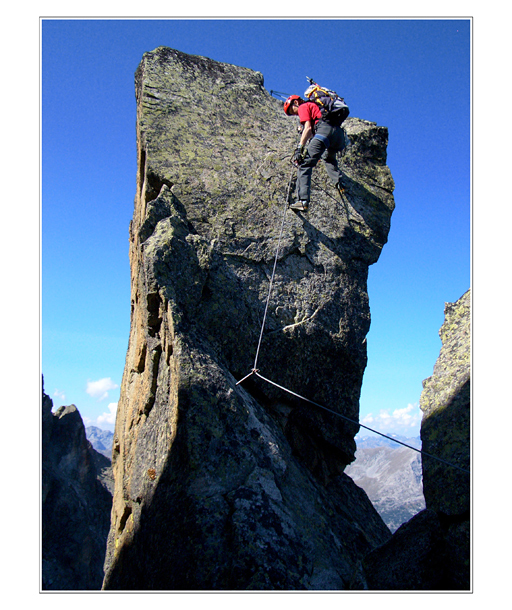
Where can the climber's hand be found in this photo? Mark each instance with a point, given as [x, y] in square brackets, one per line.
[298, 156]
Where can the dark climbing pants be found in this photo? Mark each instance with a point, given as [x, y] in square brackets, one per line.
[326, 142]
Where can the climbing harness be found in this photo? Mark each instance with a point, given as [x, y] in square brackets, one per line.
[255, 371]
[323, 139]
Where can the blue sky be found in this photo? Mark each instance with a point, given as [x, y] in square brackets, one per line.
[412, 76]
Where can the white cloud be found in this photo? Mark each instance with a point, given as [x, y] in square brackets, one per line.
[404, 421]
[405, 416]
[59, 394]
[109, 418]
[100, 389]
[87, 421]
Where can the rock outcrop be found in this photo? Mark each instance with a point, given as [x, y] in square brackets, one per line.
[432, 550]
[76, 502]
[445, 402]
[220, 486]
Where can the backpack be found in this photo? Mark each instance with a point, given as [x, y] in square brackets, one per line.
[332, 106]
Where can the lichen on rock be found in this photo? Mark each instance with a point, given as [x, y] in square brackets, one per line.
[445, 402]
[247, 489]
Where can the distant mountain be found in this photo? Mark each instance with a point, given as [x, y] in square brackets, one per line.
[101, 440]
[379, 441]
[391, 475]
[76, 499]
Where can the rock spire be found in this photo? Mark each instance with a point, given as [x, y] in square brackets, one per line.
[220, 486]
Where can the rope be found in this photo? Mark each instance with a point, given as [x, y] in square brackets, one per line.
[256, 372]
[273, 274]
[353, 421]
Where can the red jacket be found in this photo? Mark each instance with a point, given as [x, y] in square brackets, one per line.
[308, 111]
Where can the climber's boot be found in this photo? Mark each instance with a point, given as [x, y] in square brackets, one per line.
[300, 206]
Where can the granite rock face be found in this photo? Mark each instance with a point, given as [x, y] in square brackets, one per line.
[445, 402]
[439, 536]
[220, 486]
[76, 502]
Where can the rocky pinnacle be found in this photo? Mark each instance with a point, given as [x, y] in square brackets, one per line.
[220, 486]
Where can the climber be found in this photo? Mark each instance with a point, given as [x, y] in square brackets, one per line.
[319, 140]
